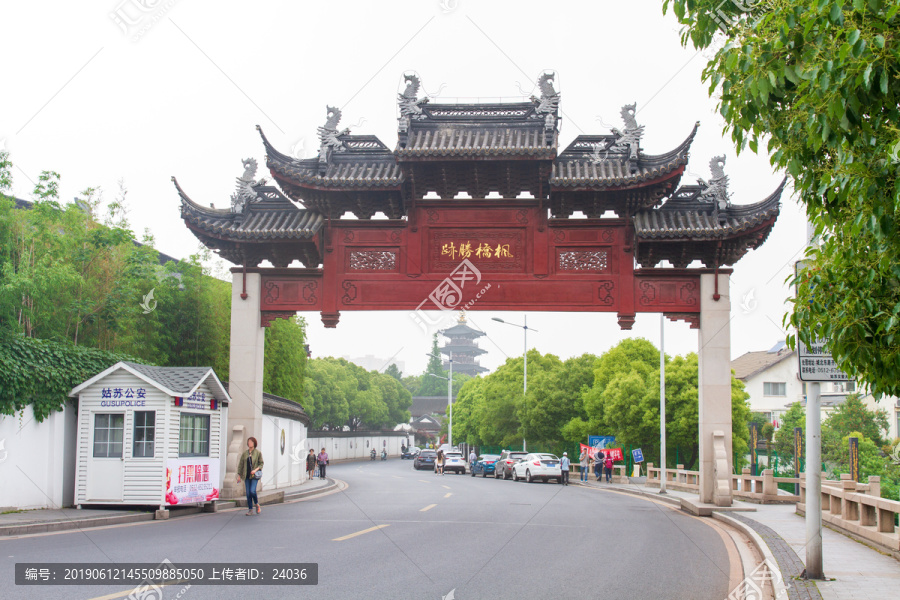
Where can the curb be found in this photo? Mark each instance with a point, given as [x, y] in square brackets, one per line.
[51, 526]
[617, 487]
[279, 497]
[778, 587]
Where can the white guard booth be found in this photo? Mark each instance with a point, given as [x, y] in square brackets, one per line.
[150, 436]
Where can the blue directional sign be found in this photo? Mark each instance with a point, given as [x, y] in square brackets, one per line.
[601, 441]
[637, 455]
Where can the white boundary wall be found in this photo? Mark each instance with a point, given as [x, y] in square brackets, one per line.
[37, 460]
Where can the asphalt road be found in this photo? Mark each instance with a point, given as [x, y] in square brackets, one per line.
[450, 536]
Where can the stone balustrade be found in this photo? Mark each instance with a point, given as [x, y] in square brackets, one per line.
[858, 509]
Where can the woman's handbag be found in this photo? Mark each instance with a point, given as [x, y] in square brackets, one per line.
[258, 475]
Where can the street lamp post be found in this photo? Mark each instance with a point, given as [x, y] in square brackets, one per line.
[525, 354]
[662, 403]
[449, 396]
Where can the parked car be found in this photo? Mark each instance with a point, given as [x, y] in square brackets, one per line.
[538, 466]
[484, 464]
[506, 461]
[410, 452]
[454, 462]
[425, 460]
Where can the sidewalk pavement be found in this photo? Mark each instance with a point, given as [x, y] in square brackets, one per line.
[854, 571]
[27, 522]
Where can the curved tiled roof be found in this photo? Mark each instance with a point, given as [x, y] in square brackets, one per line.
[678, 220]
[577, 166]
[278, 219]
[366, 163]
[461, 141]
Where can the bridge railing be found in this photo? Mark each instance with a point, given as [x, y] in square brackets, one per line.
[678, 478]
[754, 488]
[858, 509]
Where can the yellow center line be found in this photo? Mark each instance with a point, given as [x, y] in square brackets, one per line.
[353, 535]
[446, 487]
[429, 507]
[396, 476]
[447, 495]
[424, 481]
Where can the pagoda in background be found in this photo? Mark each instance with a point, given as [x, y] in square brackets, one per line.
[462, 345]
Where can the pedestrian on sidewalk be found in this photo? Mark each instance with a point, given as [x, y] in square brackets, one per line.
[250, 470]
[564, 468]
[322, 460]
[311, 464]
[599, 457]
[609, 466]
[583, 463]
[592, 466]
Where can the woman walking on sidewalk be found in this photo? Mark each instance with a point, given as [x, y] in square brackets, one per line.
[250, 470]
[583, 463]
[323, 462]
[609, 466]
[311, 464]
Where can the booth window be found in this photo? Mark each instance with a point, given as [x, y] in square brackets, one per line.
[144, 434]
[109, 430]
[193, 439]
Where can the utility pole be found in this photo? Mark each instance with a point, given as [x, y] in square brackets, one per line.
[662, 404]
[814, 483]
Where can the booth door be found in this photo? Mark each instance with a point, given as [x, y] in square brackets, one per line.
[106, 465]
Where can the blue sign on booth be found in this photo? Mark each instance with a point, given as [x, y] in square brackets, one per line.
[601, 441]
[637, 455]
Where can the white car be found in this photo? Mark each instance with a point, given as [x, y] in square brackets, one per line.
[454, 461]
[538, 466]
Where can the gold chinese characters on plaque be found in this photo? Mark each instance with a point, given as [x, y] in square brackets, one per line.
[477, 250]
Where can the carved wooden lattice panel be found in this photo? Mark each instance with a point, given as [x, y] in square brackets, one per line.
[373, 260]
[583, 260]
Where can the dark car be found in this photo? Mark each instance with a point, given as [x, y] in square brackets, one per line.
[504, 465]
[410, 452]
[484, 464]
[425, 460]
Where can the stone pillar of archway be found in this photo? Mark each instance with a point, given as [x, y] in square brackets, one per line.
[715, 389]
[245, 374]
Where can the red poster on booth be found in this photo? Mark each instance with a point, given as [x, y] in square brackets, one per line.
[615, 452]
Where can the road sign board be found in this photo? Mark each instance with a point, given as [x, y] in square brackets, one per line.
[601, 441]
[637, 455]
[816, 363]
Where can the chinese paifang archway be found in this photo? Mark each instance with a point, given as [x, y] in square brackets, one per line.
[476, 194]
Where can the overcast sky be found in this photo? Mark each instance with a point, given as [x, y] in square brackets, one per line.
[142, 90]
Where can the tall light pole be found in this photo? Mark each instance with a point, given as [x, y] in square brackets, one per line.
[662, 403]
[525, 354]
[449, 396]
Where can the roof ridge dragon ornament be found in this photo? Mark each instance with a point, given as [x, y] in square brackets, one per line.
[410, 103]
[329, 136]
[548, 104]
[716, 190]
[628, 140]
[246, 186]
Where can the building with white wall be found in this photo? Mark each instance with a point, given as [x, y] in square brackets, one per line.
[772, 379]
[150, 435]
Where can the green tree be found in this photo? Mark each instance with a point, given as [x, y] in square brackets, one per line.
[851, 415]
[329, 386]
[795, 416]
[394, 372]
[285, 358]
[433, 386]
[816, 85]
